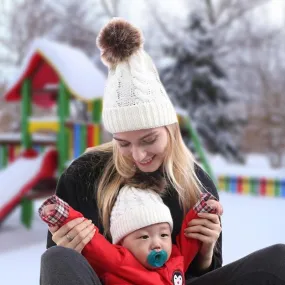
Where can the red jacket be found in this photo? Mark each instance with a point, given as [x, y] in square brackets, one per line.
[115, 265]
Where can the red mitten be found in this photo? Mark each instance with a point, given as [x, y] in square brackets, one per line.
[189, 247]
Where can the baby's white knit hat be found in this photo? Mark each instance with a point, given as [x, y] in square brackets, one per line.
[135, 209]
[134, 96]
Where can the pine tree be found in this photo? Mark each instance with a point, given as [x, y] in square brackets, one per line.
[198, 84]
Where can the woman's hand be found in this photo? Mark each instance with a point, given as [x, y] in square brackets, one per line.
[75, 234]
[206, 229]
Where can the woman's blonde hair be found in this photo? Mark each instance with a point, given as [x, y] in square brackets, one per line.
[178, 165]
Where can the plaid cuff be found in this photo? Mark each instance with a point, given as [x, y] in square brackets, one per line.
[58, 215]
[202, 207]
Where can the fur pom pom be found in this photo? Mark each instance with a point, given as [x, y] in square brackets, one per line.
[117, 41]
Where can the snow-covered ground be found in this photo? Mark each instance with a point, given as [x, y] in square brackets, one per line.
[249, 223]
[256, 166]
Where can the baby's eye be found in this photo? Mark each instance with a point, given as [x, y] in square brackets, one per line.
[164, 235]
[144, 237]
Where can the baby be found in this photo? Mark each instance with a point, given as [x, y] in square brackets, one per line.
[142, 251]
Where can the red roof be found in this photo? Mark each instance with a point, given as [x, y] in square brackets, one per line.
[41, 73]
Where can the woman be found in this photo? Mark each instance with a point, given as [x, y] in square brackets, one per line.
[146, 143]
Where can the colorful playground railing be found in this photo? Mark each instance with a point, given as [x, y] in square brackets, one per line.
[252, 186]
[82, 136]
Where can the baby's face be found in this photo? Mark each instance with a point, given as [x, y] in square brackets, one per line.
[141, 242]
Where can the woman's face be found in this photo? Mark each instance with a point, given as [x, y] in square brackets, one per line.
[145, 147]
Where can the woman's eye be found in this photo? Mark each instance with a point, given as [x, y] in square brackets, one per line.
[124, 144]
[149, 141]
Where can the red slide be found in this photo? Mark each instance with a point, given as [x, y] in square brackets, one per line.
[22, 175]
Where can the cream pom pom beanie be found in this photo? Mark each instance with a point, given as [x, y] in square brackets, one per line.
[134, 97]
[135, 209]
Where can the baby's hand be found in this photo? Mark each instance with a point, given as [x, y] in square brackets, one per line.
[216, 205]
[48, 209]
[206, 229]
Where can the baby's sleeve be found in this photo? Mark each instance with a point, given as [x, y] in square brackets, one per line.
[100, 253]
[61, 214]
[189, 247]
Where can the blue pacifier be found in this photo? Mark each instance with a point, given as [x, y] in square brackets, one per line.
[157, 258]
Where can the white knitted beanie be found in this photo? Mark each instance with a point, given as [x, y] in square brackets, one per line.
[135, 209]
[134, 96]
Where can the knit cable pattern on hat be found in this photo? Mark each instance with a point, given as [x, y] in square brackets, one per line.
[135, 209]
[135, 98]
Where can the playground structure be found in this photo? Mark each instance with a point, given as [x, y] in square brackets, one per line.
[52, 76]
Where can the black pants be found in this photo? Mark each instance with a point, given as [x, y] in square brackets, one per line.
[62, 266]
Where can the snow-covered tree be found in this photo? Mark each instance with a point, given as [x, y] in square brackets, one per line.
[198, 84]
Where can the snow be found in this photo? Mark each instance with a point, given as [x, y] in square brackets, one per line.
[44, 119]
[16, 137]
[20, 249]
[181, 112]
[80, 75]
[249, 223]
[17, 174]
[256, 166]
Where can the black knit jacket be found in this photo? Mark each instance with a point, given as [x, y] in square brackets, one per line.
[78, 184]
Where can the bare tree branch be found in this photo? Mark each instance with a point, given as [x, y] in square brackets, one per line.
[116, 5]
[163, 26]
[106, 8]
[235, 10]
[60, 11]
[211, 12]
[269, 105]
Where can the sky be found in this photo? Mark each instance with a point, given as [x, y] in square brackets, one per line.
[277, 12]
